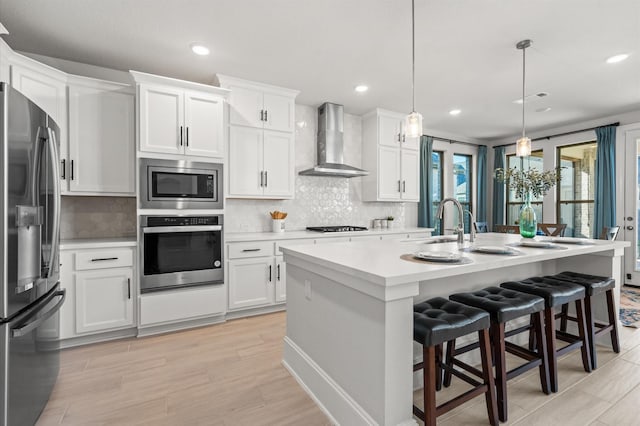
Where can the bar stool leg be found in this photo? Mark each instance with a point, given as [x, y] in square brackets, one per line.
[429, 359]
[542, 350]
[487, 371]
[563, 318]
[550, 334]
[613, 320]
[451, 347]
[582, 332]
[498, 346]
[438, 368]
[591, 331]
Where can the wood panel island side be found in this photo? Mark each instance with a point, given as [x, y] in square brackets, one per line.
[349, 340]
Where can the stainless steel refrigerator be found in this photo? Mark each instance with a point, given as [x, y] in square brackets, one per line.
[30, 294]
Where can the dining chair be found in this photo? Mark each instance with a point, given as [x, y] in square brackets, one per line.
[553, 229]
[507, 229]
[609, 233]
[481, 227]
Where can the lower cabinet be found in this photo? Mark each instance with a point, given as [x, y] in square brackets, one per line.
[253, 283]
[101, 290]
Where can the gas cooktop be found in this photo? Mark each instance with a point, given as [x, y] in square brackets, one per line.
[335, 228]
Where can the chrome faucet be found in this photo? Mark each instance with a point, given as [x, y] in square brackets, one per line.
[460, 229]
[472, 228]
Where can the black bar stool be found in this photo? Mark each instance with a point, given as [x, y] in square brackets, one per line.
[505, 305]
[557, 293]
[593, 285]
[439, 320]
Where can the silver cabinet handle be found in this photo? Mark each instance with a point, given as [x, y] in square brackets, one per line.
[278, 268]
[399, 186]
[128, 288]
[404, 186]
[269, 273]
[266, 115]
[187, 136]
[64, 169]
[266, 178]
[261, 178]
[102, 259]
[261, 115]
[180, 135]
[250, 250]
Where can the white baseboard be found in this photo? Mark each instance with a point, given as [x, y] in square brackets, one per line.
[177, 326]
[334, 401]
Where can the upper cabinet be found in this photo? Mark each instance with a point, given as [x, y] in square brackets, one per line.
[101, 149]
[179, 117]
[261, 140]
[392, 159]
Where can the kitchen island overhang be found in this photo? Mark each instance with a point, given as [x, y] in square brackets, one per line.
[349, 339]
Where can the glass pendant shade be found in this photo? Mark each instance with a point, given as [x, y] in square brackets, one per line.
[523, 147]
[413, 125]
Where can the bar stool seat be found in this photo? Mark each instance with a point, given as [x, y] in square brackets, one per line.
[557, 293]
[504, 305]
[594, 285]
[439, 320]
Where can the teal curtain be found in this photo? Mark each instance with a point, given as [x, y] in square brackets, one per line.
[498, 187]
[481, 213]
[425, 211]
[605, 189]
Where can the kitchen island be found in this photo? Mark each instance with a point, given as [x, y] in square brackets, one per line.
[349, 339]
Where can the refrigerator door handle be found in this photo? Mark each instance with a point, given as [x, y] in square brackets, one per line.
[55, 234]
[27, 328]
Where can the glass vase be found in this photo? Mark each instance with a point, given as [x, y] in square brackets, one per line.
[528, 222]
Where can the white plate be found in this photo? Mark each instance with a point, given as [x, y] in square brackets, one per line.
[438, 256]
[580, 241]
[534, 243]
[492, 249]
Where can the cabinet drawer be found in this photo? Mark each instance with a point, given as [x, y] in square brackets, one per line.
[195, 302]
[286, 243]
[104, 258]
[255, 249]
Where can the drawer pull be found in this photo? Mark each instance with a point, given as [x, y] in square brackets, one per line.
[102, 259]
[249, 250]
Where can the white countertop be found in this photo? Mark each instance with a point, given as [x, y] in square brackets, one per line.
[97, 243]
[380, 262]
[290, 235]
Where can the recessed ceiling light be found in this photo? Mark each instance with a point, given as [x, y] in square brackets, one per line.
[455, 111]
[543, 109]
[199, 49]
[617, 58]
[361, 88]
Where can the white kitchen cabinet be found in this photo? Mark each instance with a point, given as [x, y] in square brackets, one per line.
[261, 140]
[104, 299]
[101, 150]
[251, 282]
[392, 160]
[101, 290]
[179, 117]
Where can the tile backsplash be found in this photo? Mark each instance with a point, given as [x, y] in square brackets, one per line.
[97, 217]
[318, 200]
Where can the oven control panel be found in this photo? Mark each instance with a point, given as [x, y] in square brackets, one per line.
[183, 220]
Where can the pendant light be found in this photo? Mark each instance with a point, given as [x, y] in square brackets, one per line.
[413, 121]
[523, 145]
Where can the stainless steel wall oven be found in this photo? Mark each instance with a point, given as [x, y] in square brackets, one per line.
[180, 251]
[180, 184]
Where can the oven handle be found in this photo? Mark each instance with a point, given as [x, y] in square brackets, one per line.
[163, 229]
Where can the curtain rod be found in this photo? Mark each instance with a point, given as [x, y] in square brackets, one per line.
[573, 132]
[454, 141]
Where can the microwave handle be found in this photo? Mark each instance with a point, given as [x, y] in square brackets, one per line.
[163, 229]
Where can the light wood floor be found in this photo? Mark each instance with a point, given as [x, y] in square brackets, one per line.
[231, 374]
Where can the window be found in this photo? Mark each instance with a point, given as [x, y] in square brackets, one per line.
[577, 188]
[462, 186]
[436, 180]
[514, 204]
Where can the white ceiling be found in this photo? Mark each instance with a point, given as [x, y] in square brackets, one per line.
[466, 56]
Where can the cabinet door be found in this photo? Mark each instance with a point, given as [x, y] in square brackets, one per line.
[161, 119]
[245, 161]
[389, 131]
[50, 94]
[389, 182]
[104, 299]
[101, 140]
[281, 279]
[410, 175]
[278, 164]
[279, 112]
[246, 107]
[251, 282]
[68, 309]
[203, 125]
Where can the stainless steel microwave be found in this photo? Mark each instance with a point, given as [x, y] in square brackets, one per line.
[180, 184]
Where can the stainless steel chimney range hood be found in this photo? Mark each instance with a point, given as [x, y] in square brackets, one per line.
[330, 145]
